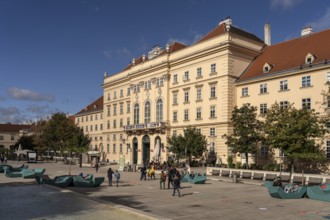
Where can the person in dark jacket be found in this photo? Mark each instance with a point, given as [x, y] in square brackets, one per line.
[176, 183]
[110, 174]
[143, 173]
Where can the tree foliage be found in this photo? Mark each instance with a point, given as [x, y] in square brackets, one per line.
[191, 143]
[27, 142]
[247, 133]
[297, 132]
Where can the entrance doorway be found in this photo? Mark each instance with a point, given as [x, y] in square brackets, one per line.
[146, 149]
[135, 151]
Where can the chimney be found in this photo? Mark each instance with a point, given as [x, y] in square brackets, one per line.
[267, 32]
[306, 31]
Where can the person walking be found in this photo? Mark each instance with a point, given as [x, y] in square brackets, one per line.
[143, 173]
[176, 183]
[97, 166]
[162, 180]
[170, 173]
[110, 174]
[117, 177]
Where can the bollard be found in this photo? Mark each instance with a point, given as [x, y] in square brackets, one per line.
[234, 178]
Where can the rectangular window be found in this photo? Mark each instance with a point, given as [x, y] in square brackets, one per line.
[128, 121]
[199, 94]
[306, 103]
[174, 133]
[212, 147]
[284, 105]
[108, 110]
[86, 128]
[306, 81]
[245, 91]
[128, 107]
[115, 123]
[213, 68]
[213, 91]
[186, 76]
[12, 138]
[114, 148]
[108, 148]
[86, 118]
[96, 117]
[264, 151]
[284, 85]
[159, 82]
[91, 117]
[101, 127]
[199, 113]
[147, 85]
[115, 109]
[186, 96]
[175, 116]
[212, 111]
[108, 124]
[121, 122]
[186, 114]
[263, 88]
[198, 131]
[121, 108]
[120, 148]
[175, 78]
[121, 93]
[136, 88]
[101, 115]
[114, 95]
[121, 137]
[91, 128]
[128, 91]
[108, 96]
[328, 76]
[199, 72]
[212, 132]
[263, 108]
[114, 137]
[175, 98]
[95, 127]
[82, 119]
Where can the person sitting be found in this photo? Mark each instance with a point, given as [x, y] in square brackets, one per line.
[192, 175]
[277, 182]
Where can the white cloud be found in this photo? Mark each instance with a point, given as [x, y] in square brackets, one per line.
[108, 54]
[322, 23]
[25, 94]
[10, 114]
[123, 52]
[284, 4]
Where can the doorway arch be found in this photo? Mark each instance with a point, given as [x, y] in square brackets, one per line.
[135, 150]
[146, 149]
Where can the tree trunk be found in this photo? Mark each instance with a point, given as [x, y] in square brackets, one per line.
[247, 160]
[80, 160]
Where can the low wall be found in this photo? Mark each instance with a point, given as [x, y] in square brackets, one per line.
[309, 178]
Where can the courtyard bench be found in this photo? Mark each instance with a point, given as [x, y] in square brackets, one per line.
[270, 176]
[215, 173]
[312, 181]
[285, 178]
[258, 176]
[246, 175]
[237, 173]
[225, 173]
[298, 179]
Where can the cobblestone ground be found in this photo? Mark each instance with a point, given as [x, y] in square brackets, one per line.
[145, 200]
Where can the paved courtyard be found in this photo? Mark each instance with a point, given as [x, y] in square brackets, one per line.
[135, 199]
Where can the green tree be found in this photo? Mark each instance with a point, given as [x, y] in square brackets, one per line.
[247, 134]
[297, 132]
[80, 143]
[27, 142]
[191, 143]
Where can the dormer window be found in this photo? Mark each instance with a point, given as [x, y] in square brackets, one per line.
[95, 106]
[309, 59]
[267, 67]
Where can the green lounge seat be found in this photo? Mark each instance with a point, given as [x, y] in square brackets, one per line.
[320, 192]
[39, 171]
[4, 167]
[10, 174]
[89, 182]
[279, 192]
[59, 181]
[26, 173]
[196, 179]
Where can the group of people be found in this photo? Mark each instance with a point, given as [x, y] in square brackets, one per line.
[115, 175]
[288, 188]
[3, 159]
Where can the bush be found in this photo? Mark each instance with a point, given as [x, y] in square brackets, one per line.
[238, 165]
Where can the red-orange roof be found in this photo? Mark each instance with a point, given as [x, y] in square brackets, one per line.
[97, 105]
[221, 29]
[13, 128]
[290, 55]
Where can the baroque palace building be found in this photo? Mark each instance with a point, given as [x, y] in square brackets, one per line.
[159, 94]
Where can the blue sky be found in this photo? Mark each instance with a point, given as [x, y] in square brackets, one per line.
[53, 53]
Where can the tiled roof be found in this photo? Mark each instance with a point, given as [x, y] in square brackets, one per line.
[221, 29]
[13, 128]
[173, 47]
[290, 55]
[94, 106]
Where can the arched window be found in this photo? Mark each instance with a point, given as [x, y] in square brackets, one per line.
[159, 110]
[147, 113]
[136, 114]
